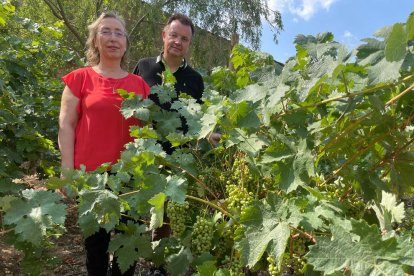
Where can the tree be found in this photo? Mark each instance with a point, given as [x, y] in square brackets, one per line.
[145, 19]
[226, 17]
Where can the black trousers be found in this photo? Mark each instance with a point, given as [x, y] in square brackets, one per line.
[97, 256]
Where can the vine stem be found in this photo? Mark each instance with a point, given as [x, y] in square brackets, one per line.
[129, 193]
[307, 235]
[396, 98]
[352, 95]
[6, 231]
[392, 156]
[199, 200]
[352, 158]
[198, 181]
[345, 131]
[212, 205]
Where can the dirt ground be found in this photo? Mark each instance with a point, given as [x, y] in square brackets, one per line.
[68, 250]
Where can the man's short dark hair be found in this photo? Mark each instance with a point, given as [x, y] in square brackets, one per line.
[183, 19]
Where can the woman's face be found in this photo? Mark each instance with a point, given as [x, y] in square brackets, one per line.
[111, 40]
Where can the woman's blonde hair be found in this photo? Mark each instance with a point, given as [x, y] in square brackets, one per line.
[92, 53]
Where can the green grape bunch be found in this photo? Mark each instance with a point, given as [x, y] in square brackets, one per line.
[239, 197]
[234, 265]
[202, 235]
[177, 214]
[273, 271]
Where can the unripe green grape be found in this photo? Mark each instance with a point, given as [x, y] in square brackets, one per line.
[177, 214]
[202, 235]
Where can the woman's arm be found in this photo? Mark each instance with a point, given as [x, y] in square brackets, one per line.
[68, 119]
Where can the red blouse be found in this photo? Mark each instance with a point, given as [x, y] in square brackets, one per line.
[102, 131]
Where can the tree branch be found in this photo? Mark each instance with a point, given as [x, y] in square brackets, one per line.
[59, 13]
[145, 15]
[98, 8]
[53, 9]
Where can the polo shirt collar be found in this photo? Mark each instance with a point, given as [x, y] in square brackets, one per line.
[160, 59]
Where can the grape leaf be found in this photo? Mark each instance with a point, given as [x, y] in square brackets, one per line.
[102, 204]
[88, 225]
[165, 94]
[410, 27]
[152, 184]
[131, 245]
[184, 160]
[191, 111]
[363, 253]
[35, 213]
[250, 144]
[136, 107]
[206, 268]
[296, 171]
[252, 93]
[176, 188]
[208, 123]
[188, 108]
[143, 132]
[157, 211]
[388, 211]
[396, 43]
[401, 172]
[144, 145]
[178, 263]
[243, 115]
[6, 202]
[178, 139]
[384, 71]
[406, 245]
[167, 122]
[266, 223]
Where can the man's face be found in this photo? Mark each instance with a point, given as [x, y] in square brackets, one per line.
[176, 38]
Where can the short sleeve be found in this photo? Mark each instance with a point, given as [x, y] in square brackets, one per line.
[74, 80]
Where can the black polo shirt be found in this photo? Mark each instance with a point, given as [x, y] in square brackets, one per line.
[188, 80]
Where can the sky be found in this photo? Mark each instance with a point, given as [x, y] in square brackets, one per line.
[348, 20]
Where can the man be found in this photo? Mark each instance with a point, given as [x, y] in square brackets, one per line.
[176, 36]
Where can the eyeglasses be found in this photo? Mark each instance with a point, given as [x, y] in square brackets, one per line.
[108, 33]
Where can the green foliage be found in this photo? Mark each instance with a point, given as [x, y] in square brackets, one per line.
[29, 105]
[30, 100]
[248, 68]
[305, 152]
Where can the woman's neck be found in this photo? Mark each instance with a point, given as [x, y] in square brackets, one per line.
[108, 69]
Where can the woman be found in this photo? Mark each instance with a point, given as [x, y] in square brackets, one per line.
[92, 130]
